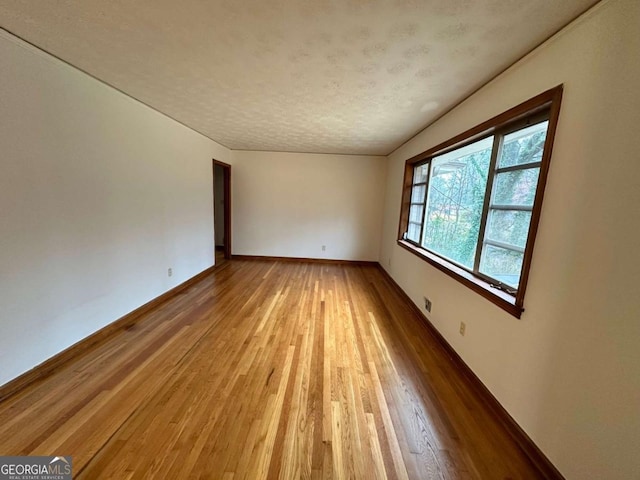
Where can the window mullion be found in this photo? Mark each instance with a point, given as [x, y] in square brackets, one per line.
[520, 166]
[512, 208]
[495, 152]
[424, 204]
[505, 246]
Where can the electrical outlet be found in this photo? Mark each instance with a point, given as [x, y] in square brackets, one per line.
[463, 328]
[170, 272]
[324, 248]
[427, 304]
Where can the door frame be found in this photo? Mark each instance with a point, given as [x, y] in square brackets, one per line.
[226, 168]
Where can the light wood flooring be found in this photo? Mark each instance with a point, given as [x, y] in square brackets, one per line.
[266, 369]
[220, 258]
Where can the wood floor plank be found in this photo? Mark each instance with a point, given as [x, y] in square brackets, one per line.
[267, 369]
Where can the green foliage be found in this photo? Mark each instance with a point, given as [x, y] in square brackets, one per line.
[455, 208]
[456, 198]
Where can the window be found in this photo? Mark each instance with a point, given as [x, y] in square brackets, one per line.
[471, 205]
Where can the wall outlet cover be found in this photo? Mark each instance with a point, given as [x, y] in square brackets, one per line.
[427, 304]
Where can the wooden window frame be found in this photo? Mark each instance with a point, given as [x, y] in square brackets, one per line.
[500, 125]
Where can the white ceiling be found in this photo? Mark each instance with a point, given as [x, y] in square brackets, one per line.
[331, 76]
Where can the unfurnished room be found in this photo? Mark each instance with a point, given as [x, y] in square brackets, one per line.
[320, 239]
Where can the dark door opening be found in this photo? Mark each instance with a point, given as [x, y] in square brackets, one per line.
[222, 210]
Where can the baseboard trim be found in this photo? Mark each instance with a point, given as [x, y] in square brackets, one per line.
[544, 466]
[49, 366]
[304, 260]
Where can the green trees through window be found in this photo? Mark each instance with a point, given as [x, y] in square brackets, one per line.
[480, 223]
[471, 205]
[454, 203]
[509, 217]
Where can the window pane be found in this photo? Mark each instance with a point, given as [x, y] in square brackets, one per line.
[413, 232]
[501, 264]
[420, 173]
[508, 226]
[516, 188]
[523, 146]
[455, 201]
[415, 214]
[417, 194]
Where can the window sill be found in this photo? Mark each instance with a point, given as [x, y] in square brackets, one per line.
[497, 297]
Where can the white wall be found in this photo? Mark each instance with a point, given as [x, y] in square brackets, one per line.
[290, 204]
[99, 196]
[569, 371]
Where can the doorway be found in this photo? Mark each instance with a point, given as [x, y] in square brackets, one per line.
[222, 211]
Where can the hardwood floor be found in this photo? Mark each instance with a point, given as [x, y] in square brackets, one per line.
[266, 370]
[220, 258]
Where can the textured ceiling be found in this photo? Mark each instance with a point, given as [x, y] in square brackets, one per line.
[332, 76]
